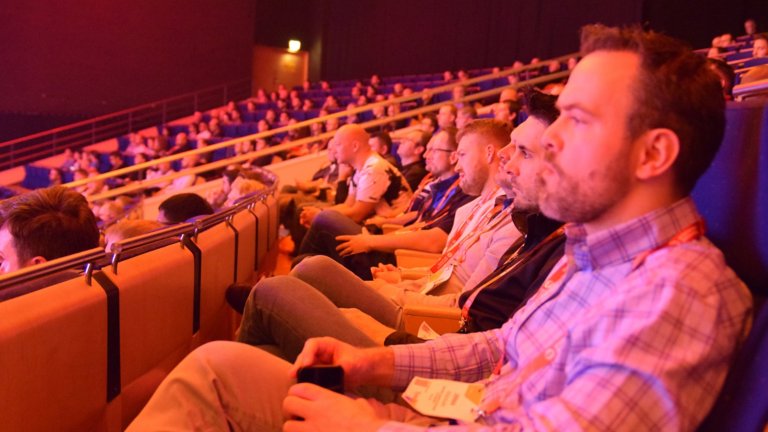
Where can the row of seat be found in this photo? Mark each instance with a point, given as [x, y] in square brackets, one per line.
[87, 355]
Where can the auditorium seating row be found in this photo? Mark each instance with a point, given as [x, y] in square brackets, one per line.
[87, 353]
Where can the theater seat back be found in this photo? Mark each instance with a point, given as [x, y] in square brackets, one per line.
[53, 359]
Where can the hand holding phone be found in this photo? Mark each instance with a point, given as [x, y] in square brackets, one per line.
[327, 376]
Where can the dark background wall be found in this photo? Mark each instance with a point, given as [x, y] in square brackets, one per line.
[356, 39]
[78, 58]
[87, 57]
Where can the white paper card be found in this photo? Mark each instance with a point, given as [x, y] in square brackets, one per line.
[426, 332]
[444, 398]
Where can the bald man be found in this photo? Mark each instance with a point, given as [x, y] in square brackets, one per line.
[376, 188]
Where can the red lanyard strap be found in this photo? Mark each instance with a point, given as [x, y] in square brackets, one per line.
[511, 265]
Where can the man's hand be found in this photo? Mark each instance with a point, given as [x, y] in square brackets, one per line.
[354, 244]
[324, 410]
[372, 366]
[387, 273]
[308, 214]
[376, 220]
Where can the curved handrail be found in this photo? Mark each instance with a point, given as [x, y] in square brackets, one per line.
[143, 243]
[47, 143]
[751, 89]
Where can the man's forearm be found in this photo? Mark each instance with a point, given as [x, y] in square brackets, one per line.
[431, 240]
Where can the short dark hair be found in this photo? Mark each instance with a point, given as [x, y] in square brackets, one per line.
[184, 206]
[385, 139]
[423, 139]
[513, 105]
[725, 72]
[675, 90]
[451, 132]
[51, 223]
[469, 109]
[540, 105]
[432, 119]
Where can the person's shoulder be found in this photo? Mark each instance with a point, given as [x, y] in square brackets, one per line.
[697, 269]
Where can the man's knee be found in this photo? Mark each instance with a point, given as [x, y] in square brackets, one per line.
[313, 266]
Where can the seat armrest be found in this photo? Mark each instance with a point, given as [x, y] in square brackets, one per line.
[414, 258]
[388, 228]
[441, 319]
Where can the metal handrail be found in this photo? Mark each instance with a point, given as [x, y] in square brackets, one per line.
[47, 143]
[751, 89]
[156, 239]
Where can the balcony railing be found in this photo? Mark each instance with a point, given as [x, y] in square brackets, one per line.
[41, 145]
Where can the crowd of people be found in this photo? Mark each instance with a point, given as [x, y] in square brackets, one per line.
[563, 236]
[623, 317]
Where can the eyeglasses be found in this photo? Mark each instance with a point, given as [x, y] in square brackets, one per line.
[442, 150]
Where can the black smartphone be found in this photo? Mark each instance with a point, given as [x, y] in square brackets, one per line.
[330, 377]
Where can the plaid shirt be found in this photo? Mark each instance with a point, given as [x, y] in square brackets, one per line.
[608, 347]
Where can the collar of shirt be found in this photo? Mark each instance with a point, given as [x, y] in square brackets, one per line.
[623, 242]
[535, 227]
[438, 186]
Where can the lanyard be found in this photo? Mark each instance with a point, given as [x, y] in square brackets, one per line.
[472, 214]
[692, 232]
[509, 265]
[446, 196]
[490, 221]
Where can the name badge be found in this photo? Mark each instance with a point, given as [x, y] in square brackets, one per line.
[435, 279]
[445, 398]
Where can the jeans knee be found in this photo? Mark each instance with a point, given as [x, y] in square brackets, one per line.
[311, 267]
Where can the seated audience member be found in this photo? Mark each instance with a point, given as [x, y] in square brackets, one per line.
[109, 213]
[241, 188]
[159, 171]
[726, 74]
[506, 111]
[116, 162]
[180, 144]
[750, 27]
[446, 116]
[760, 46]
[182, 207]
[141, 174]
[136, 144]
[70, 161]
[427, 222]
[428, 124]
[271, 313]
[376, 188]
[40, 226]
[93, 187]
[508, 94]
[634, 329]
[457, 95]
[381, 143]
[217, 198]
[322, 182]
[411, 151]
[464, 116]
[481, 230]
[126, 229]
[54, 177]
[185, 181]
